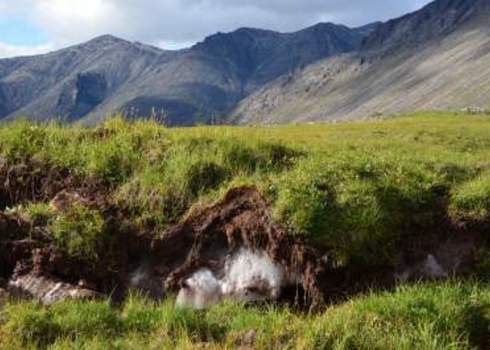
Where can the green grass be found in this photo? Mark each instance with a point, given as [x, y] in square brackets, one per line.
[38, 213]
[356, 189]
[78, 232]
[433, 316]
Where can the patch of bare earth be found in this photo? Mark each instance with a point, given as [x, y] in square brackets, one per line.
[158, 263]
[240, 220]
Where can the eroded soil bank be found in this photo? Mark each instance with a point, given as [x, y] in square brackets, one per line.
[157, 263]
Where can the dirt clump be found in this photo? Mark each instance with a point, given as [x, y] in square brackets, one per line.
[37, 181]
[15, 243]
[13, 225]
[241, 220]
[206, 238]
[246, 339]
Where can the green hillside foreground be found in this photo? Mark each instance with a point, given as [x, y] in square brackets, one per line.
[360, 191]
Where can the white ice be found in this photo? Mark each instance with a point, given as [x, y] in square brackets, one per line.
[247, 276]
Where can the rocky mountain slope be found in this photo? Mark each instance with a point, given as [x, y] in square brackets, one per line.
[106, 75]
[435, 58]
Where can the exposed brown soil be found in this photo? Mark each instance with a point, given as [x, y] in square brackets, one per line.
[37, 181]
[203, 239]
[158, 263]
[15, 244]
[27, 248]
[240, 219]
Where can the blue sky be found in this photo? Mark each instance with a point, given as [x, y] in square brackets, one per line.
[37, 26]
[21, 31]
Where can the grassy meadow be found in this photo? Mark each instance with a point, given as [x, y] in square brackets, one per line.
[427, 317]
[357, 190]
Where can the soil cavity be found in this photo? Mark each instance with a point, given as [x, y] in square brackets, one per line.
[248, 276]
[239, 245]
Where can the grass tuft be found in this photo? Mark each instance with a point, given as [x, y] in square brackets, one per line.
[78, 232]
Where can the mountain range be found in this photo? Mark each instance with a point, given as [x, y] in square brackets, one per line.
[435, 58]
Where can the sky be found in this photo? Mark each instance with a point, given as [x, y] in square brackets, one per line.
[30, 27]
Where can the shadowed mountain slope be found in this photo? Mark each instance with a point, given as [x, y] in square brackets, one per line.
[435, 58]
[108, 75]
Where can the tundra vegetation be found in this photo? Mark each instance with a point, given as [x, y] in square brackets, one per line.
[360, 191]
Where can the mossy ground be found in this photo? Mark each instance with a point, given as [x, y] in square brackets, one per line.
[356, 190]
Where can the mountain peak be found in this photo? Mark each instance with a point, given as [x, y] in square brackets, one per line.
[99, 42]
[113, 42]
[107, 39]
[439, 17]
[235, 36]
[253, 31]
[367, 29]
[325, 26]
[267, 54]
[108, 74]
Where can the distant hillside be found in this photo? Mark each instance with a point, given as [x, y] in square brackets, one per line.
[435, 58]
[107, 74]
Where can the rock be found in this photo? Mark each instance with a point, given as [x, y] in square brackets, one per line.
[48, 291]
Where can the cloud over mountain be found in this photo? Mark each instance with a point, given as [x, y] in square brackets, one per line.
[177, 23]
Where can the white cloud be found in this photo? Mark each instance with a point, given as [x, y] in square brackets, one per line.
[71, 21]
[8, 7]
[176, 23]
[7, 50]
[172, 45]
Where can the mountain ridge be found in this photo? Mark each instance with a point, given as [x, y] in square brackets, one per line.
[397, 69]
[205, 80]
[250, 75]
